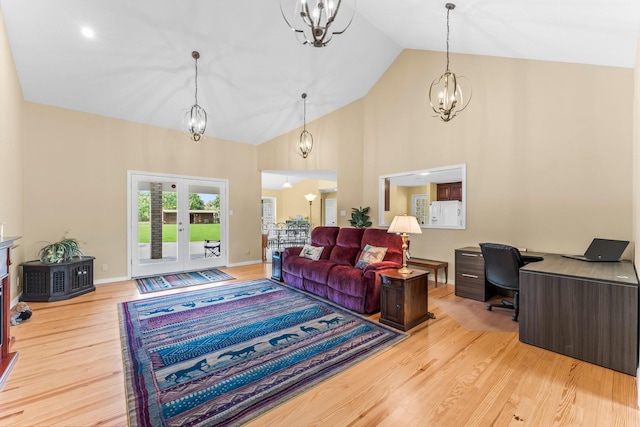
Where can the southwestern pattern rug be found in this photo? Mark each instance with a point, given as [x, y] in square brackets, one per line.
[224, 355]
[180, 280]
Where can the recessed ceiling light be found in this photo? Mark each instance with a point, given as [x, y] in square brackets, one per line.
[87, 32]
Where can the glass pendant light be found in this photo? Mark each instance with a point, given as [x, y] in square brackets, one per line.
[446, 96]
[316, 21]
[305, 143]
[194, 122]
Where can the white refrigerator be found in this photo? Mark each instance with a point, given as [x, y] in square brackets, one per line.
[445, 213]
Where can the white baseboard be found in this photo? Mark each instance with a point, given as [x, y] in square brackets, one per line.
[238, 264]
[111, 280]
[15, 300]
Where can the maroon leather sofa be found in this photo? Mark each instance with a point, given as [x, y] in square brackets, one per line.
[334, 276]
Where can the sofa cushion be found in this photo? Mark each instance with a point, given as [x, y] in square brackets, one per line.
[297, 265]
[311, 252]
[370, 255]
[324, 236]
[319, 272]
[347, 246]
[381, 238]
[347, 280]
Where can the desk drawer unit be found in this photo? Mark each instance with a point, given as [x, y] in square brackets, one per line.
[470, 282]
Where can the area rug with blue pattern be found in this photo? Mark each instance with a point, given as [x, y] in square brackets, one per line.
[224, 355]
[180, 280]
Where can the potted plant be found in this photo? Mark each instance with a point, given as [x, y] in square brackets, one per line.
[360, 217]
[61, 251]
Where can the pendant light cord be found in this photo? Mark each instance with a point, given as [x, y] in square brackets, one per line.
[197, 79]
[304, 112]
[448, 10]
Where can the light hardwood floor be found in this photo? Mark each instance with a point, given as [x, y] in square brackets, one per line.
[69, 373]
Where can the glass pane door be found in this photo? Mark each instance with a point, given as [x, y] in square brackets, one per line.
[206, 224]
[154, 231]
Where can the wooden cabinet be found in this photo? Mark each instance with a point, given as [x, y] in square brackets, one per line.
[450, 191]
[7, 359]
[55, 282]
[404, 299]
[470, 281]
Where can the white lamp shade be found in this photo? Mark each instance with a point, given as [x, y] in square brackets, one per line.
[405, 224]
[310, 197]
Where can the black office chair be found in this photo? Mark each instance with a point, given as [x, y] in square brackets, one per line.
[502, 268]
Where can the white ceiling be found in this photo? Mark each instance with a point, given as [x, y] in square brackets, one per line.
[274, 179]
[252, 71]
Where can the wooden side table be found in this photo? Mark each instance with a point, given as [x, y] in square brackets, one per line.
[404, 299]
[432, 264]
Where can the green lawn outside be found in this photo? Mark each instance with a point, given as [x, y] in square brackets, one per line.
[197, 232]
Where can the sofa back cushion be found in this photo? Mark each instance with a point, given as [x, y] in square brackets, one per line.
[347, 246]
[324, 236]
[380, 238]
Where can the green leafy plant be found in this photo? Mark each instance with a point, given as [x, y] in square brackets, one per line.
[360, 217]
[60, 251]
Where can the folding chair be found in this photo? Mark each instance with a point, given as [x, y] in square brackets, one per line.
[211, 248]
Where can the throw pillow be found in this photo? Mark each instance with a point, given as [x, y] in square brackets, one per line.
[311, 252]
[370, 254]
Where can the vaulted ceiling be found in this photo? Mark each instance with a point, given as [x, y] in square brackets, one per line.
[252, 70]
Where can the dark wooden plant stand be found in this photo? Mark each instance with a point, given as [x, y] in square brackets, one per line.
[56, 282]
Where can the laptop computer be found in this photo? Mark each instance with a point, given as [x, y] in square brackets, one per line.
[602, 250]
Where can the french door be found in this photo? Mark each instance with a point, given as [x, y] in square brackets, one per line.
[176, 223]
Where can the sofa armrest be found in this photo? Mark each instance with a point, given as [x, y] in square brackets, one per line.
[291, 251]
[382, 265]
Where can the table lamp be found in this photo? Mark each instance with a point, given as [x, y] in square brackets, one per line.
[402, 225]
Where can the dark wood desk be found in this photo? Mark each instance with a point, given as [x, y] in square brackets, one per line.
[585, 310]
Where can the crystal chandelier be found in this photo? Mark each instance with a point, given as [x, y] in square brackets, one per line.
[316, 21]
[194, 122]
[446, 95]
[305, 143]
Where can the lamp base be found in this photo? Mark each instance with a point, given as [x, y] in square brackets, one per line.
[405, 270]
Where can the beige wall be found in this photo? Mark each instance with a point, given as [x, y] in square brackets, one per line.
[338, 145]
[11, 136]
[75, 179]
[636, 156]
[636, 168]
[548, 157]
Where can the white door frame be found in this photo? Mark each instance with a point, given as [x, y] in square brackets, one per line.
[184, 261]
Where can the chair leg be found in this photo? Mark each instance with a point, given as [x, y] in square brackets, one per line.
[507, 304]
[516, 306]
[502, 304]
